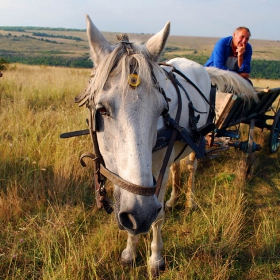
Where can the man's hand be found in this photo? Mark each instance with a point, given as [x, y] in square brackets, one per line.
[240, 50]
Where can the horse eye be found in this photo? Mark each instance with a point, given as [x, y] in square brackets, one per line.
[102, 111]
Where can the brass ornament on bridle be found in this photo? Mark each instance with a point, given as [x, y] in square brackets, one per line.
[134, 80]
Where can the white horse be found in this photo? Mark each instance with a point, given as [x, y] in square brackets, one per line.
[127, 95]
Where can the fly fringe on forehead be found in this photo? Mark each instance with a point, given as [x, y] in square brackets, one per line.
[119, 61]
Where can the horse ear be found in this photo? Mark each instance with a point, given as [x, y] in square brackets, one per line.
[156, 44]
[99, 46]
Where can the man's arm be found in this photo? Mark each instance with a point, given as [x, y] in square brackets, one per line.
[245, 54]
[240, 52]
[219, 55]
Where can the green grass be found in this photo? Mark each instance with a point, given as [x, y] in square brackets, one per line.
[50, 227]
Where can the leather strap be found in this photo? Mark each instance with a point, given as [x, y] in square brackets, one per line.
[172, 138]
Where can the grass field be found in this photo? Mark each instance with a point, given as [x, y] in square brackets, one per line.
[50, 227]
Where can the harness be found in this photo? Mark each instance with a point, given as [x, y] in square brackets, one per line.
[165, 138]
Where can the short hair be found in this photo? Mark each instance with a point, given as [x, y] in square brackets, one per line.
[243, 27]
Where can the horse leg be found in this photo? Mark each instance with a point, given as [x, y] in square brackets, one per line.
[129, 253]
[192, 166]
[156, 260]
[175, 173]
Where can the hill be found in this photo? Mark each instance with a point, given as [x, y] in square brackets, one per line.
[69, 47]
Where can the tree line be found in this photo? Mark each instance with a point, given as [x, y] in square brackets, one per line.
[80, 62]
[42, 34]
[3, 63]
[265, 69]
[260, 69]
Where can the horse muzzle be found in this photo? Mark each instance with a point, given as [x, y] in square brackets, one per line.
[137, 217]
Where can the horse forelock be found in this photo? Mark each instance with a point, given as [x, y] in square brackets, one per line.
[123, 63]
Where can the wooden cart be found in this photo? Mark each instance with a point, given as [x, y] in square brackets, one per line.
[233, 111]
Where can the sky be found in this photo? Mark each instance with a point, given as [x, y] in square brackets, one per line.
[203, 18]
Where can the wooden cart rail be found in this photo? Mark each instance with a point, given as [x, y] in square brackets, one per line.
[233, 110]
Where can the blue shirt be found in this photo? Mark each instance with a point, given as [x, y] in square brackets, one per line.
[222, 51]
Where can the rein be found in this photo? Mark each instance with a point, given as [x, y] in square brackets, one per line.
[173, 135]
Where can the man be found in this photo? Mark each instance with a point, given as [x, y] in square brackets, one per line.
[233, 53]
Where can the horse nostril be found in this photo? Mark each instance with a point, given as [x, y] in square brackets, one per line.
[132, 220]
[128, 221]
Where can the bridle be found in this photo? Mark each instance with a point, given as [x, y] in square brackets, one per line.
[101, 173]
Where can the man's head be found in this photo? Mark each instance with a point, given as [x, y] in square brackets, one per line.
[241, 36]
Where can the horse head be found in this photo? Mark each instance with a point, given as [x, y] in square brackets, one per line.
[127, 106]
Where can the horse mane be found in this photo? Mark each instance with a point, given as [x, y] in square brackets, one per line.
[229, 81]
[125, 61]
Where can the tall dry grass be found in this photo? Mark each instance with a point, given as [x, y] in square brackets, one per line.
[263, 83]
[34, 111]
[50, 228]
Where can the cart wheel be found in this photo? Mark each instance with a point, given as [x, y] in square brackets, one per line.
[274, 137]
